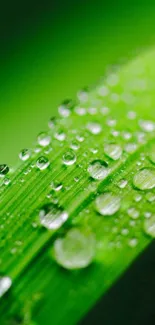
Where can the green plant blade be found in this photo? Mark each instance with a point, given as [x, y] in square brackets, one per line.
[117, 111]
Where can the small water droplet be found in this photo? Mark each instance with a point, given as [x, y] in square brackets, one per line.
[147, 126]
[44, 139]
[76, 250]
[42, 163]
[25, 154]
[137, 198]
[113, 151]
[133, 242]
[131, 115]
[97, 169]
[56, 186]
[52, 216]
[60, 135]
[6, 181]
[83, 95]
[130, 147]
[144, 179]
[65, 108]
[69, 157]
[75, 145]
[122, 183]
[150, 197]
[4, 169]
[133, 213]
[104, 110]
[149, 226]
[52, 122]
[107, 204]
[5, 284]
[94, 127]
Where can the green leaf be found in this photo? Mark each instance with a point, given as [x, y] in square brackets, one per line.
[99, 171]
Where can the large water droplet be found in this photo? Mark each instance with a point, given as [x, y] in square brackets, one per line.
[94, 127]
[113, 151]
[4, 169]
[144, 179]
[76, 250]
[42, 163]
[149, 226]
[52, 216]
[97, 169]
[69, 157]
[25, 154]
[44, 139]
[5, 284]
[107, 204]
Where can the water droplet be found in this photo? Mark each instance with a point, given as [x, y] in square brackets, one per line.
[133, 213]
[56, 186]
[131, 115]
[150, 197]
[42, 163]
[113, 151]
[65, 108]
[5, 284]
[60, 135]
[149, 226]
[107, 204]
[4, 169]
[69, 157]
[133, 242]
[126, 135]
[44, 139]
[52, 122]
[144, 179]
[80, 110]
[76, 250]
[104, 110]
[83, 95]
[75, 145]
[130, 147]
[25, 154]
[92, 110]
[147, 126]
[103, 91]
[125, 231]
[111, 122]
[6, 181]
[97, 169]
[94, 127]
[137, 198]
[52, 216]
[122, 183]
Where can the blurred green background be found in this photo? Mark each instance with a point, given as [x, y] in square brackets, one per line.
[51, 49]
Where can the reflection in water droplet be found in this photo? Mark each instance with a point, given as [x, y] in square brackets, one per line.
[107, 204]
[98, 169]
[25, 154]
[4, 169]
[69, 157]
[44, 139]
[42, 163]
[144, 179]
[76, 250]
[149, 226]
[5, 284]
[94, 128]
[113, 151]
[52, 216]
